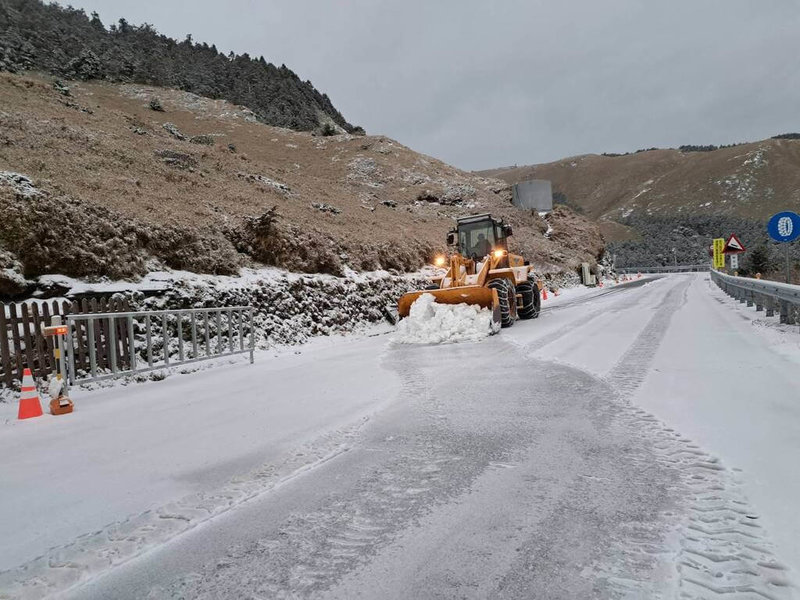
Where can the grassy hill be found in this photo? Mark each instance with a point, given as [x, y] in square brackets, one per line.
[94, 182]
[648, 202]
[751, 180]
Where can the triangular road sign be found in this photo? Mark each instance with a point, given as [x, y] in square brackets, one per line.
[733, 245]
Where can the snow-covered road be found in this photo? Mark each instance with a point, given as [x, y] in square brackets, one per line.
[527, 465]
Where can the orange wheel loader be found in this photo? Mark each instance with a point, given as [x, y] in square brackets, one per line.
[483, 272]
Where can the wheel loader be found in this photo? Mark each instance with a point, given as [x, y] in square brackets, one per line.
[481, 271]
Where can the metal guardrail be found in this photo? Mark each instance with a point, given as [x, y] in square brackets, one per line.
[670, 269]
[153, 340]
[765, 295]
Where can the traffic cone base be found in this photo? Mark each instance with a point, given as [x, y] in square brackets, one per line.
[29, 404]
[61, 406]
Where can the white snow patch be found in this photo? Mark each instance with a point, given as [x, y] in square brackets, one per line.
[431, 323]
[22, 184]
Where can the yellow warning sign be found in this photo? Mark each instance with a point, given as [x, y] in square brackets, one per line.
[719, 253]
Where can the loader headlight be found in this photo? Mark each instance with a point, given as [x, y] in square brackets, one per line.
[499, 253]
[439, 261]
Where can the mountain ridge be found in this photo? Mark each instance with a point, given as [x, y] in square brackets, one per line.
[746, 180]
[65, 42]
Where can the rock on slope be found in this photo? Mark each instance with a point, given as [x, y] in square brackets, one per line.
[114, 188]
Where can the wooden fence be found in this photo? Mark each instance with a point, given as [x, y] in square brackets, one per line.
[22, 344]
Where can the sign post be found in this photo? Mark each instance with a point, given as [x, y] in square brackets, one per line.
[784, 227]
[733, 247]
[61, 404]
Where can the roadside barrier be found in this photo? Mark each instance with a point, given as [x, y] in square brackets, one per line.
[153, 340]
[768, 296]
[29, 404]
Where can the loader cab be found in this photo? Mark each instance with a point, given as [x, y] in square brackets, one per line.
[479, 235]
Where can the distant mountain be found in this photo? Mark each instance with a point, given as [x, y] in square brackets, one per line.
[751, 180]
[651, 201]
[68, 43]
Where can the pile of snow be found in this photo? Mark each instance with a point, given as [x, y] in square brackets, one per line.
[432, 323]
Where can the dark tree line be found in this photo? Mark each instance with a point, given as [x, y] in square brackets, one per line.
[691, 236]
[68, 43]
[702, 148]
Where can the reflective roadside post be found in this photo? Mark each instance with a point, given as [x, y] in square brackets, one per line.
[61, 404]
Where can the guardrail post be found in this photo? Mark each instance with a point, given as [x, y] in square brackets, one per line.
[91, 324]
[252, 334]
[112, 344]
[131, 344]
[759, 302]
[749, 298]
[770, 306]
[179, 320]
[148, 325]
[791, 318]
[784, 311]
[69, 353]
[165, 336]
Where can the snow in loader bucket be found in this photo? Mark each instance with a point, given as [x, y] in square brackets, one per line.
[477, 295]
[432, 322]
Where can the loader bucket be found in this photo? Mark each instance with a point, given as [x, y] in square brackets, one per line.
[471, 294]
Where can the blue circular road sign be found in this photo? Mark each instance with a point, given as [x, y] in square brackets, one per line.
[784, 226]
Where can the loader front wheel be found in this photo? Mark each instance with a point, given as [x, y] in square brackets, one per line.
[531, 301]
[507, 297]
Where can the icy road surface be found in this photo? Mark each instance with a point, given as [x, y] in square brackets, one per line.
[526, 465]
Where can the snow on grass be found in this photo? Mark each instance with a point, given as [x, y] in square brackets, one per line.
[431, 323]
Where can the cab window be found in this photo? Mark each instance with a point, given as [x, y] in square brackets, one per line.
[476, 240]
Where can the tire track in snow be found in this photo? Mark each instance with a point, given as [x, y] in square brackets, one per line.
[723, 550]
[311, 551]
[63, 568]
[628, 301]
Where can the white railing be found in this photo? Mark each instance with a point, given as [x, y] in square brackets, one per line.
[107, 345]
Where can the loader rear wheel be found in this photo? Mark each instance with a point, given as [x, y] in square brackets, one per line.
[531, 301]
[507, 297]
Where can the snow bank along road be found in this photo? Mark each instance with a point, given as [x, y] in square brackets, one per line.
[547, 462]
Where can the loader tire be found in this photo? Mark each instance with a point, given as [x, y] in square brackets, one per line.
[531, 301]
[507, 297]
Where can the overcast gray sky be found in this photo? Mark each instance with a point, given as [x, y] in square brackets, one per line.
[486, 84]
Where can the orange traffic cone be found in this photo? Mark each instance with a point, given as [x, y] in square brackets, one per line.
[638, 276]
[29, 404]
[544, 293]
